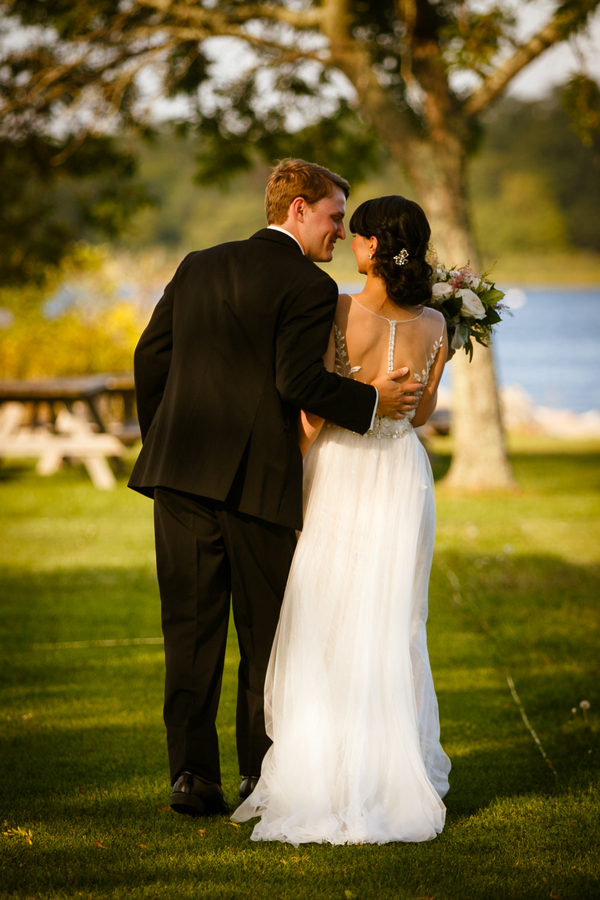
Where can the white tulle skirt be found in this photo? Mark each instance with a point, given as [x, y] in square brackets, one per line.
[350, 702]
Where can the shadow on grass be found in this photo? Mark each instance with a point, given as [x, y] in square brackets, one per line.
[79, 604]
[13, 471]
[58, 771]
[530, 607]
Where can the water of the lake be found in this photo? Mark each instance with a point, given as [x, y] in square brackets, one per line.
[551, 346]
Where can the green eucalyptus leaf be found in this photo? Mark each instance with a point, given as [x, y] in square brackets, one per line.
[492, 296]
[460, 337]
[452, 306]
[491, 318]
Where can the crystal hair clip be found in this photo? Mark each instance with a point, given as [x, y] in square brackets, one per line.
[402, 257]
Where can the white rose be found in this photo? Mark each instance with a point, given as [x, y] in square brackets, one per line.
[441, 289]
[473, 280]
[471, 304]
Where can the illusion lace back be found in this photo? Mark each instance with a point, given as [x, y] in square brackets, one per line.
[350, 702]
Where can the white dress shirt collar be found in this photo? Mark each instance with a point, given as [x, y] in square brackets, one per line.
[289, 234]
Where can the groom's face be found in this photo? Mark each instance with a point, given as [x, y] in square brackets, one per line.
[323, 225]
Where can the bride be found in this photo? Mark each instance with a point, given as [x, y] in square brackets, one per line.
[349, 697]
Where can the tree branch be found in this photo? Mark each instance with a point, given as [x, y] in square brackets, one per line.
[564, 22]
[335, 21]
[353, 58]
[310, 18]
[306, 19]
[407, 12]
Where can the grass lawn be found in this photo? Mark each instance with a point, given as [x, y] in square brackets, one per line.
[514, 595]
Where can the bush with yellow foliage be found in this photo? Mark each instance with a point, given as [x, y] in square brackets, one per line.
[86, 319]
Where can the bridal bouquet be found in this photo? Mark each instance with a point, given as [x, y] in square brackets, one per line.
[469, 303]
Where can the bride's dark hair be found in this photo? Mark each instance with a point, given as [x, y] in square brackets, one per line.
[398, 224]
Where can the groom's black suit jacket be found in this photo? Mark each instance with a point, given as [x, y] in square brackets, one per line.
[232, 352]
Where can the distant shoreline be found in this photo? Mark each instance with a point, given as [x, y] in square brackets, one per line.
[354, 284]
[561, 270]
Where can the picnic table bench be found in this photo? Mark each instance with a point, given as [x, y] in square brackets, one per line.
[56, 419]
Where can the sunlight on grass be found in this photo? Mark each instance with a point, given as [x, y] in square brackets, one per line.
[514, 592]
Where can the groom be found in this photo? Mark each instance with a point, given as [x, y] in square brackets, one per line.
[232, 352]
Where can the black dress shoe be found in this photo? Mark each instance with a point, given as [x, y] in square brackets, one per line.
[195, 796]
[248, 784]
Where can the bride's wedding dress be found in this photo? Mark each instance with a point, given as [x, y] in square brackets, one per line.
[350, 702]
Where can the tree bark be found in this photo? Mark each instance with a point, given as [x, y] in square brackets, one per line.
[479, 459]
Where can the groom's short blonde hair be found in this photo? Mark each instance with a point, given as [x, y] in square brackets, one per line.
[293, 178]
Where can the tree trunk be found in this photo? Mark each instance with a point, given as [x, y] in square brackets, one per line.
[480, 459]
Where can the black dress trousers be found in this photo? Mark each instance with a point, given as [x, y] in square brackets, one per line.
[207, 553]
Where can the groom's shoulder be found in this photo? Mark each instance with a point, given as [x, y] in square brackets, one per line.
[264, 248]
[258, 245]
[211, 254]
[282, 251]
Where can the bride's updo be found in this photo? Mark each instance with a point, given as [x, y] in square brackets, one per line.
[398, 224]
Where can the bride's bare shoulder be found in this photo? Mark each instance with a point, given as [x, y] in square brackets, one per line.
[341, 311]
[436, 321]
[434, 315]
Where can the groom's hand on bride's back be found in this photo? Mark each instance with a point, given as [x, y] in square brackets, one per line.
[397, 399]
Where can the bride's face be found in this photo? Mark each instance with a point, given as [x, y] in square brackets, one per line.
[363, 248]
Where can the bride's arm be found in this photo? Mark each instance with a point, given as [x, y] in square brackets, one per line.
[428, 401]
[310, 425]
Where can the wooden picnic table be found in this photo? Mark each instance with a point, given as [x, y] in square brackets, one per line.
[66, 418]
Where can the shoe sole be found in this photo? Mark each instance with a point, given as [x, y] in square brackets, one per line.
[192, 805]
[188, 804]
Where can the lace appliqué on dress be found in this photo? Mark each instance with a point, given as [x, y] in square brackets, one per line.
[423, 378]
[386, 427]
[342, 362]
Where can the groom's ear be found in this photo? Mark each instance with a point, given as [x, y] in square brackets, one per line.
[298, 208]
